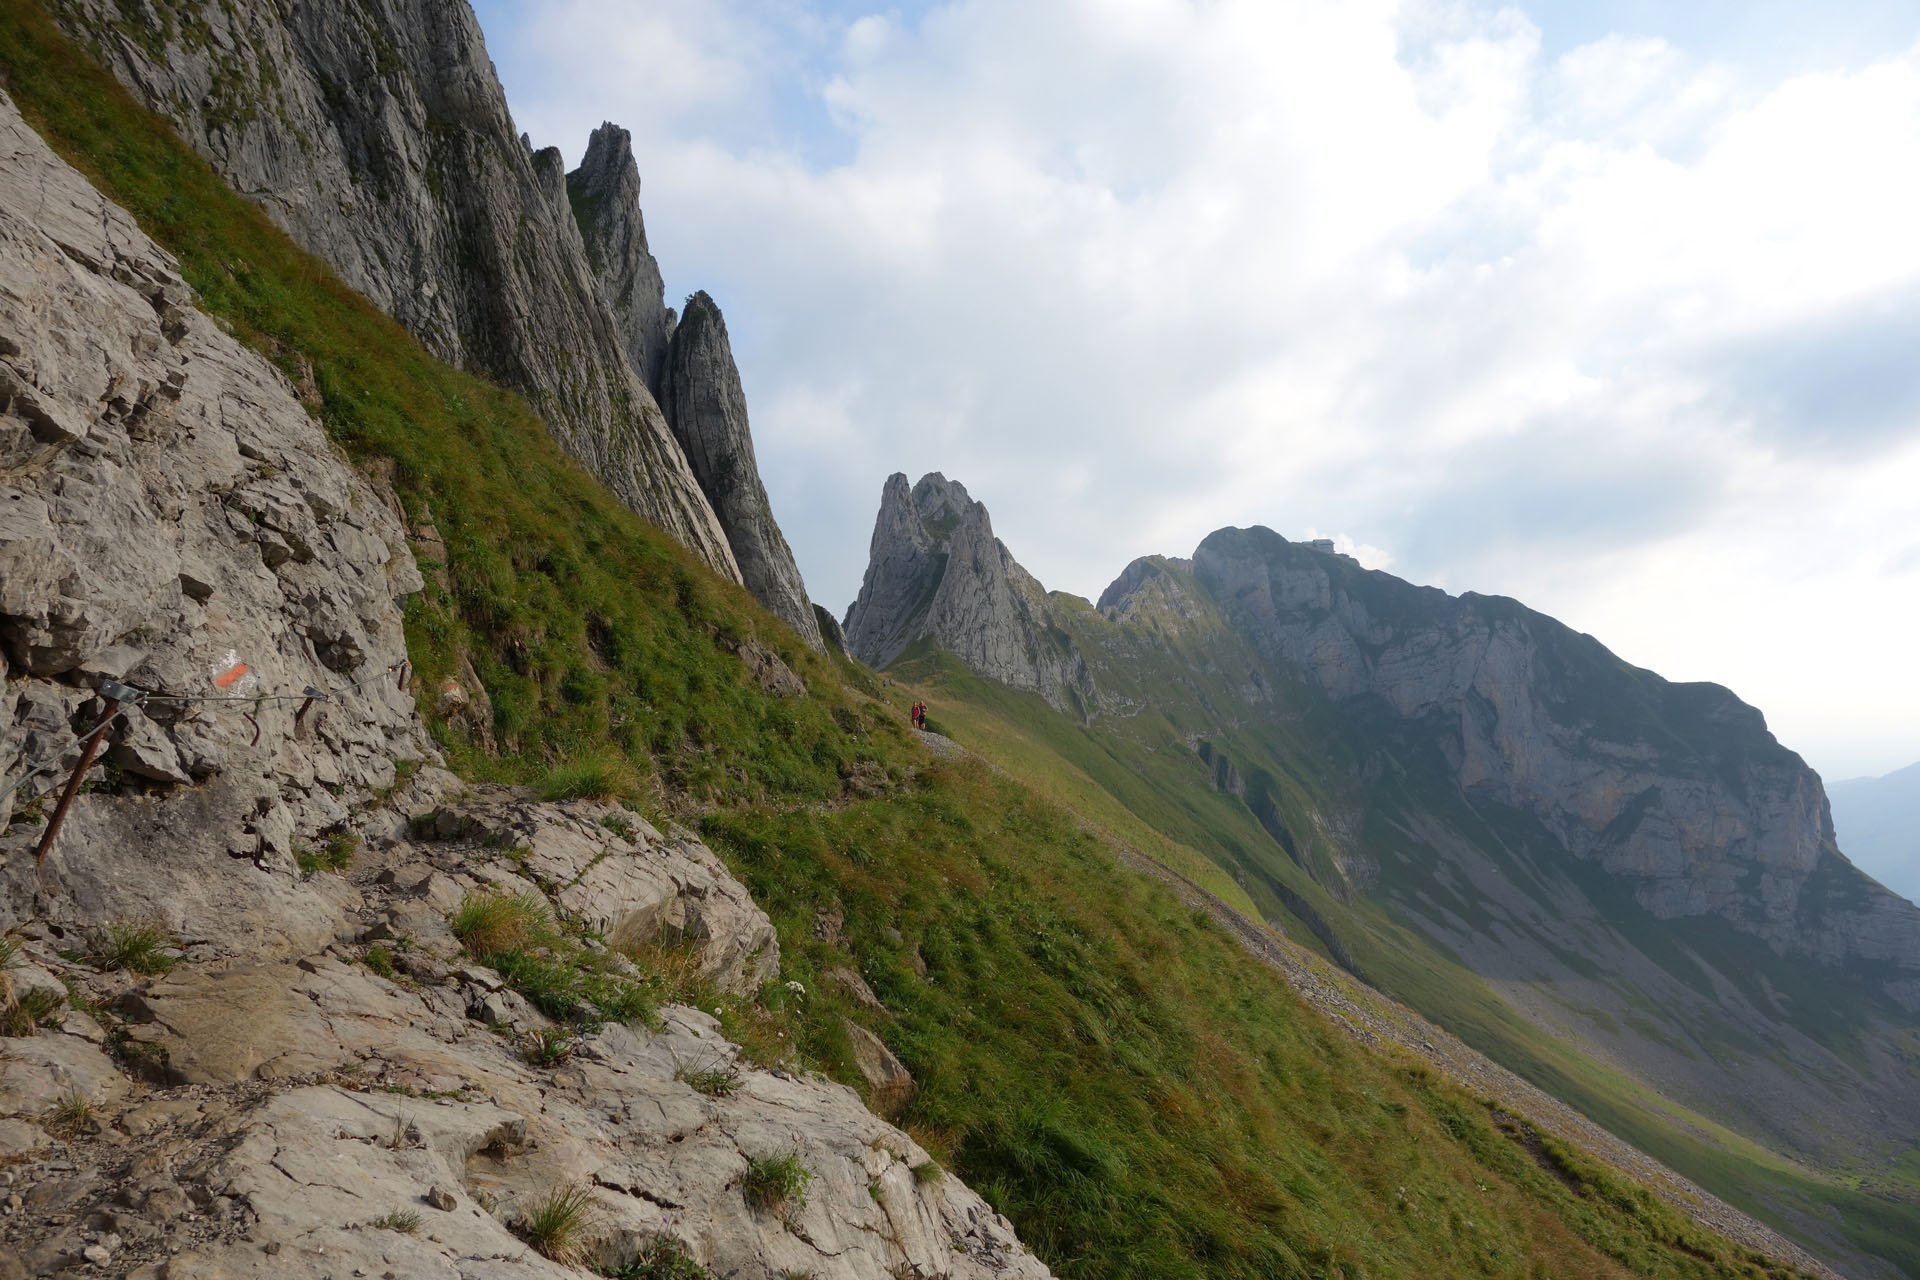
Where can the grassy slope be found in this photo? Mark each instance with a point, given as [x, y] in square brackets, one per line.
[1129, 765]
[1140, 1096]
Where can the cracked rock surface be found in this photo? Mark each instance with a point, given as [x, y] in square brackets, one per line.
[171, 517]
[314, 1118]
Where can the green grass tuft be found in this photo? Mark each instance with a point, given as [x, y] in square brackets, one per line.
[777, 1183]
[492, 924]
[379, 959]
[596, 775]
[558, 1223]
[717, 1078]
[660, 1257]
[25, 1013]
[137, 948]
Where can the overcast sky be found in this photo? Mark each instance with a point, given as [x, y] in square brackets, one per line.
[1610, 307]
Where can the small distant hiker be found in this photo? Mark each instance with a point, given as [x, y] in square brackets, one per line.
[920, 715]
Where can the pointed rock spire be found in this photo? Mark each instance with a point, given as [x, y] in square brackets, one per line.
[707, 409]
[605, 193]
[936, 569]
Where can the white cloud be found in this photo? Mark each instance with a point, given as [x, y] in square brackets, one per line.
[1135, 269]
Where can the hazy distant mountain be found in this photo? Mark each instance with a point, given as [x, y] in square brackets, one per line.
[1876, 822]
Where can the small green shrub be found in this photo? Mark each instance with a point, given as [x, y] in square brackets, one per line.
[619, 826]
[777, 1183]
[661, 1257]
[71, 1113]
[137, 948]
[405, 1221]
[557, 1224]
[927, 1173]
[404, 1134]
[717, 1078]
[549, 1046]
[25, 1014]
[379, 959]
[491, 924]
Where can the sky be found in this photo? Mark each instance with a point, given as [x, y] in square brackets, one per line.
[1610, 307]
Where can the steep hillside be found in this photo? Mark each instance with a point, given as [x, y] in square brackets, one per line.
[378, 136]
[1877, 821]
[1111, 1071]
[1614, 884]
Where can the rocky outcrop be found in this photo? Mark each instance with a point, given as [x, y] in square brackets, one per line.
[381, 1106]
[378, 137]
[610, 870]
[1677, 788]
[708, 410]
[936, 570]
[171, 517]
[605, 195]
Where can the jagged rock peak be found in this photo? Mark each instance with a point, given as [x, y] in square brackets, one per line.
[708, 411]
[605, 193]
[384, 145]
[1157, 593]
[935, 569]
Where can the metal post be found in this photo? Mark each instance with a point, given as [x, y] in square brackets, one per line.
[114, 694]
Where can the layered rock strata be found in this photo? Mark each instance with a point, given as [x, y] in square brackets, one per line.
[708, 410]
[379, 138]
[1679, 789]
[936, 570]
[171, 517]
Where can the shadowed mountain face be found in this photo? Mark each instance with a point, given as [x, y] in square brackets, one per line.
[1635, 863]
[1878, 824]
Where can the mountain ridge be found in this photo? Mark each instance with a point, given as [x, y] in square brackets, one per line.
[389, 1090]
[1576, 830]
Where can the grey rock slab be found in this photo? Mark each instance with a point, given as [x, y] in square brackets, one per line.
[891, 1084]
[38, 1072]
[632, 892]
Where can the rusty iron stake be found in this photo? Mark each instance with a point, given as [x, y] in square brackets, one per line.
[79, 772]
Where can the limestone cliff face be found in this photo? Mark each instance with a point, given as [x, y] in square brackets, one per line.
[377, 135]
[936, 570]
[605, 194]
[171, 517]
[1677, 788]
[708, 410]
